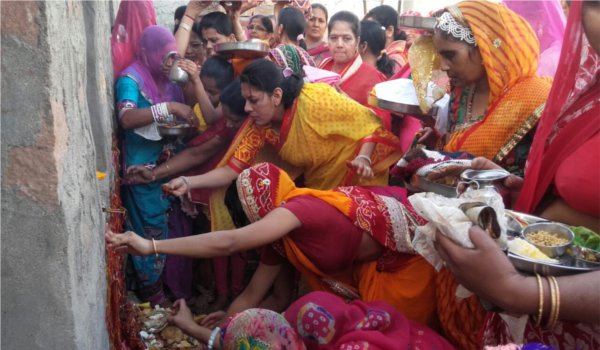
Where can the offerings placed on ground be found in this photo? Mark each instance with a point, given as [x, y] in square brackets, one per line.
[157, 334]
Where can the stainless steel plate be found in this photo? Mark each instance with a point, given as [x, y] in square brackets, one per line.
[422, 184]
[427, 23]
[174, 131]
[405, 108]
[244, 49]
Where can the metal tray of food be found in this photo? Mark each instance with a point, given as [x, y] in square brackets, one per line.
[414, 110]
[426, 23]
[174, 129]
[245, 49]
[568, 264]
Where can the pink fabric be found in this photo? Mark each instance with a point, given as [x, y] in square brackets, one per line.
[325, 321]
[571, 114]
[156, 42]
[548, 21]
[132, 18]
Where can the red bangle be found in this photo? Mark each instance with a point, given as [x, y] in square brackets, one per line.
[190, 17]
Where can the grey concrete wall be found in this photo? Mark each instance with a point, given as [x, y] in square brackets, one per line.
[56, 128]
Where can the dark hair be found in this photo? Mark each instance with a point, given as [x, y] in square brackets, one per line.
[234, 206]
[265, 21]
[293, 23]
[322, 8]
[373, 33]
[387, 16]
[217, 21]
[197, 30]
[219, 69]
[348, 17]
[231, 96]
[266, 76]
[178, 15]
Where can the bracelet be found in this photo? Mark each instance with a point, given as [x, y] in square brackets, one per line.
[190, 17]
[538, 322]
[555, 307]
[213, 335]
[367, 158]
[154, 245]
[185, 26]
[187, 182]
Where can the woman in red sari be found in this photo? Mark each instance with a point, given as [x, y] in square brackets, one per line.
[369, 255]
[357, 78]
[561, 184]
[314, 33]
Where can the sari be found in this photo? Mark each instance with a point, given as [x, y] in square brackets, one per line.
[132, 18]
[509, 49]
[571, 120]
[398, 276]
[357, 80]
[548, 21]
[291, 56]
[319, 51]
[397, 51]
[319, 133]
[326, 322]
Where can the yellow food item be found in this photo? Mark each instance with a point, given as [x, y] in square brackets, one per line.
[546, 239]
[522, 247]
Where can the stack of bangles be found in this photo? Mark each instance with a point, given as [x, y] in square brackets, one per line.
[554, 302]
[160, 113]
[213, 336]
[184, 24]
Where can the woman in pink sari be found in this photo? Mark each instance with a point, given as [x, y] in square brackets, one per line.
[562, 183]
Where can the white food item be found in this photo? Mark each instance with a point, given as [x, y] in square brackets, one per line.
[522, 247]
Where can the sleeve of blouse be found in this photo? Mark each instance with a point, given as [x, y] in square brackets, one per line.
[127, 94]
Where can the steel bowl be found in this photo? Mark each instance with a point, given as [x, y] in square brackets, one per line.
[174, 130]
[178, 76]
[588, 255]
[426, 23]
[559, 230]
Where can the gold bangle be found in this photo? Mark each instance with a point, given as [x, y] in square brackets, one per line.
[540, 313]
[154, 245]
[185, 26]
[553, 318]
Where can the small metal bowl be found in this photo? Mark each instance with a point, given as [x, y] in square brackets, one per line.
[559, 230]
[165, 130]
[588, 255]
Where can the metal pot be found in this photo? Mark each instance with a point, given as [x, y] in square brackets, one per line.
[177, 75]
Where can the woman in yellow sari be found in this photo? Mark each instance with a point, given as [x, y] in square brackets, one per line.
[491, 56]
[309, 129]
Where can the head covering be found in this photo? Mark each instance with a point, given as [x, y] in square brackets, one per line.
[571, 114]
[507, 44]
[132, 18]
[326, 321]
[258, 329]
[264, 187]
[156, 42]
[548, 22]
[509, 50]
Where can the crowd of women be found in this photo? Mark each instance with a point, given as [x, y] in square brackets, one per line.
[299, 170]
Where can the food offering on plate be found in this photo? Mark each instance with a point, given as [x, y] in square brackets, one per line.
[548, 248]
[587, 244]
[157, 334]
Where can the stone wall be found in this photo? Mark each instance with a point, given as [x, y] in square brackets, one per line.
[56, 131]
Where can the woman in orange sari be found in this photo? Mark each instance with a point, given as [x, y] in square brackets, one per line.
[373, 259]
[490, 54]
[357, 77]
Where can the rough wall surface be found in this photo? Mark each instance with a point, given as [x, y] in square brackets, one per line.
[56, 129]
